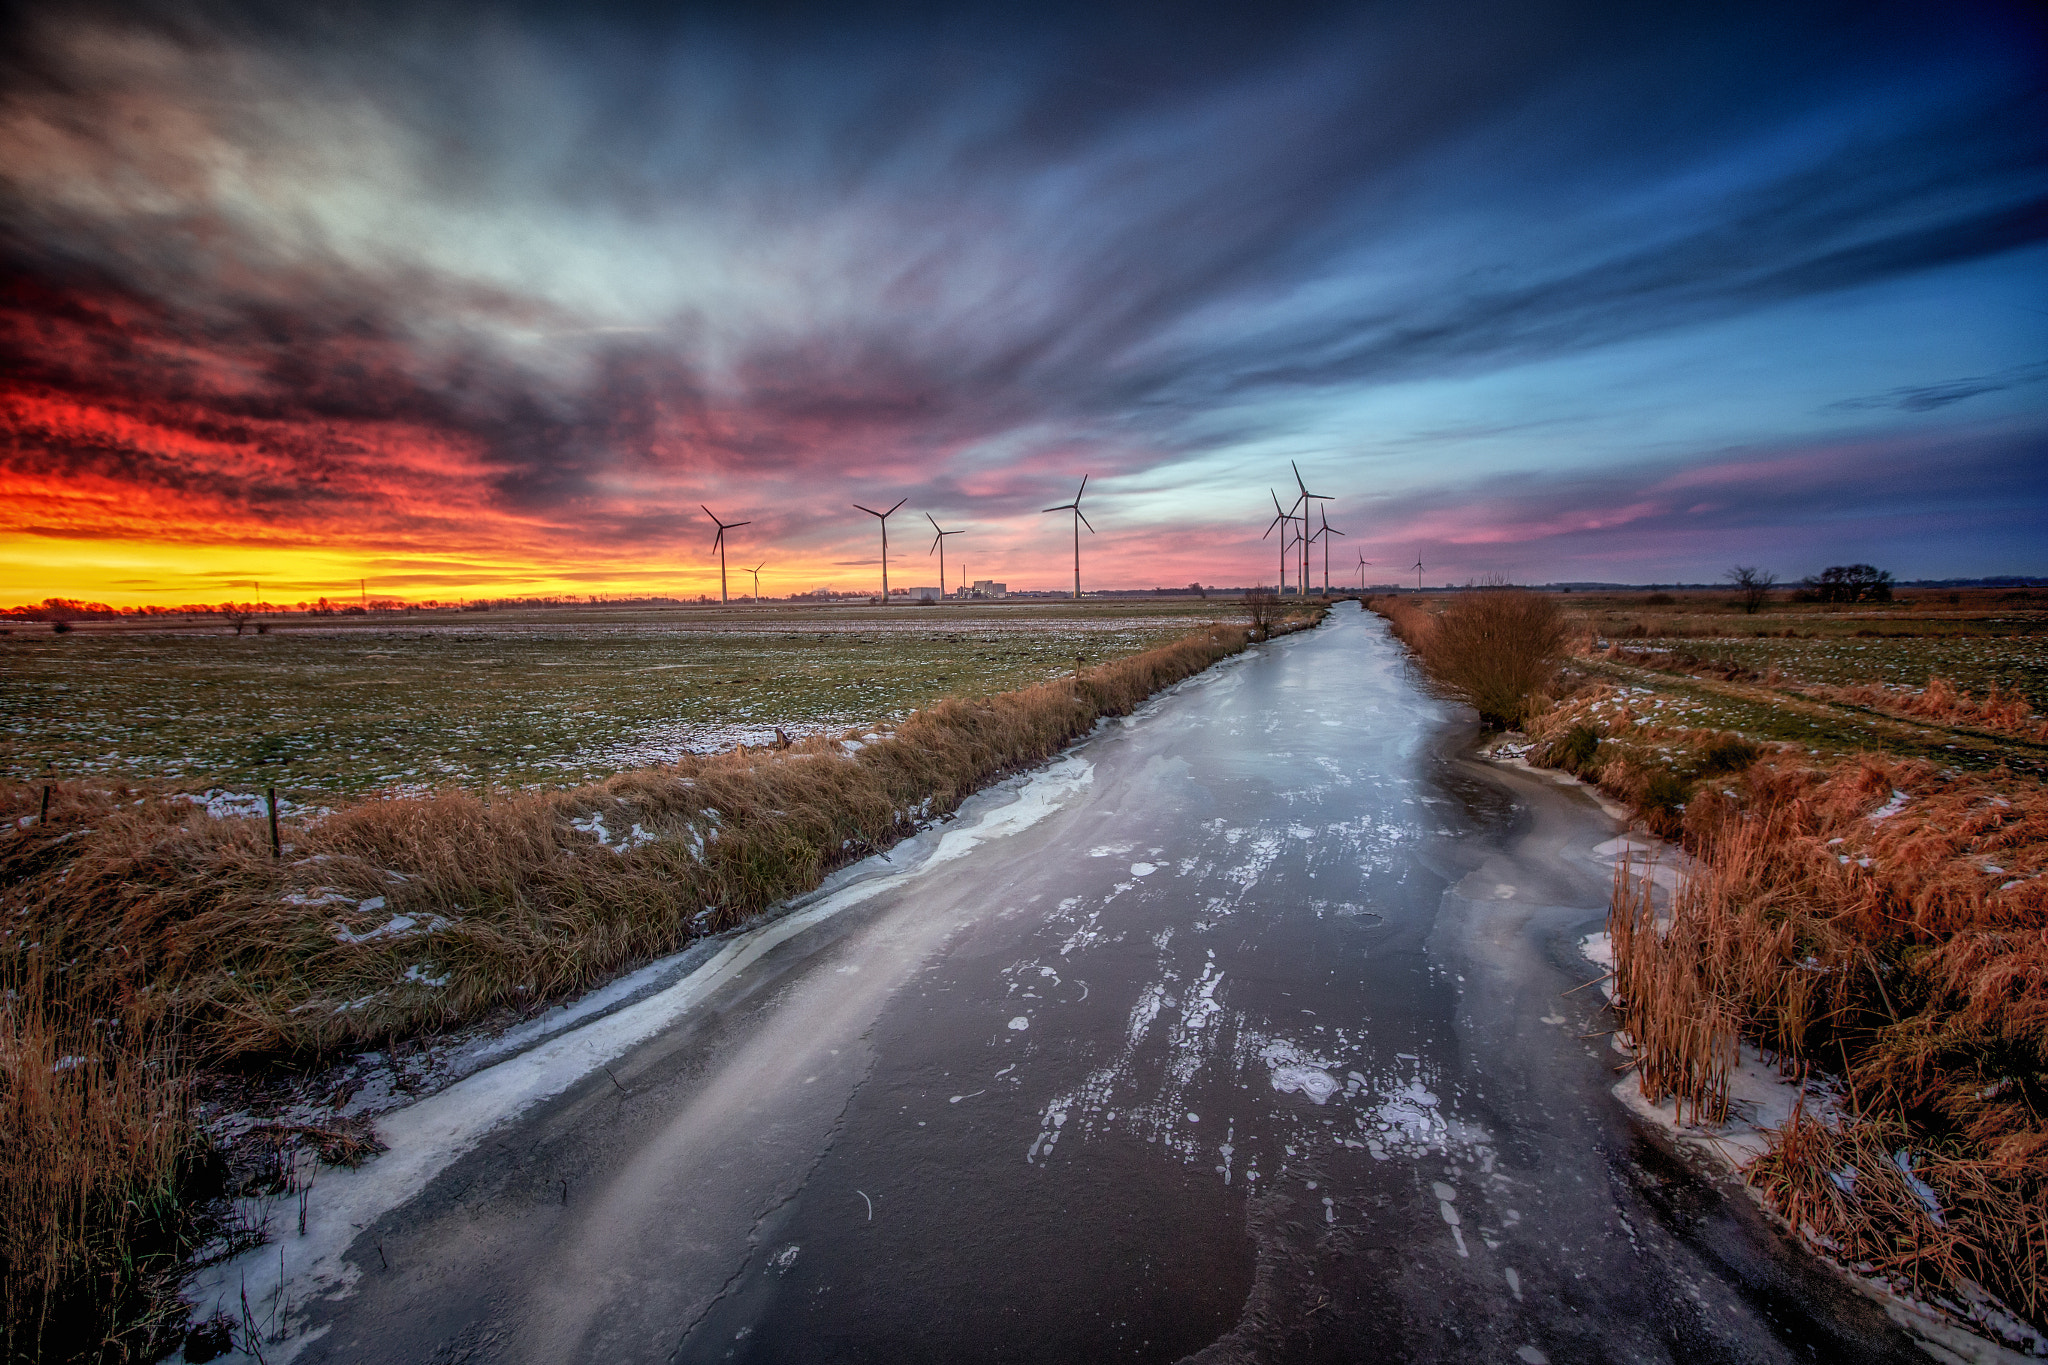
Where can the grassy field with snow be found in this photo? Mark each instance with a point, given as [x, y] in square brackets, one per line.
[420, 701]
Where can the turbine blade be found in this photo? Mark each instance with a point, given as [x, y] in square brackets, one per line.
[1082, 489]
[899, 502]
[934, 521]
[1063, 507]
[1297, 478]
[869, 510]
[1084, 519]
[729, 525]
[935, 544]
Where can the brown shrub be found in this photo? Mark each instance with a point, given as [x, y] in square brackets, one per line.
[1497, 650]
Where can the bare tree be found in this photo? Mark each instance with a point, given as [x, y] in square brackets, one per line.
[1753, 586]
[1262, 610]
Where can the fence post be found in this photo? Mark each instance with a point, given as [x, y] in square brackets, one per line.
[270, 798]
[44, 818]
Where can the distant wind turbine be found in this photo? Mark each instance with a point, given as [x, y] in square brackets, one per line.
[883, 517]
[1418, 573]
[1286, 519]
[939, 544]
[756, 572]
[1362, 562]
[1327, 531]
[1079, 521]
[718, 544]
[1306, 537]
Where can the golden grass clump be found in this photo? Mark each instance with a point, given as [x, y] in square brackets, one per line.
[1885, 921]
[1497, 649]
[96, 1133]
[1942, 702]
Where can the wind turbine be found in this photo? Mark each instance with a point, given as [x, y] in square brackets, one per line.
[883, 517]
[1303, 501]
[756, 572]
[939, 544]
[1286, 519]
[1418, 573]
[1327, 531]
[718, 544]
[1362, 562]
[1079, 522]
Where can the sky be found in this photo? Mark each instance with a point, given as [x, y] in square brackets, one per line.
[476, 301]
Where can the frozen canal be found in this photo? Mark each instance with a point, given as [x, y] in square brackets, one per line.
[1237, 1034]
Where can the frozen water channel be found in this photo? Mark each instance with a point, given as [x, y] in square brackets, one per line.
[1238, 1033]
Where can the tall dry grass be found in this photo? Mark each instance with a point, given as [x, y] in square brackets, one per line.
[1886, 922]
[143, 937]
[1941, 701]
[93, 1110]
[1498, 649]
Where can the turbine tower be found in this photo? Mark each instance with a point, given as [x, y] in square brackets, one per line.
[756, 572]
[718, 544]
[1079, 522]
[1306, 538]
[939, 544]
[1418, 573]
[1286, 519]
[1362, 562]
[1327, 531]
[883, 517]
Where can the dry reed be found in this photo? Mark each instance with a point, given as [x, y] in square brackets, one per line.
[1497, 649]
[93, 1110]
[1941, 701]
[1888, 922]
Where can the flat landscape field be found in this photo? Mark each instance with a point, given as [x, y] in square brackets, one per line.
[415, 701]
[1678, 651]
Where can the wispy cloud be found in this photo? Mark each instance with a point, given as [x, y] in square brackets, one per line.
[1928, 397]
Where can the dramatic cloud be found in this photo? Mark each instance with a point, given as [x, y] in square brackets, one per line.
[496, 298]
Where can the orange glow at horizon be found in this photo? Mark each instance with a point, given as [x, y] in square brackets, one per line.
[143, 573]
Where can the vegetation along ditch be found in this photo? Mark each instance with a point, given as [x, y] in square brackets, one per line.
[1866, 907]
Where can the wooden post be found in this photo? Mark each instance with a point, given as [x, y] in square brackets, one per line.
[270, 798]
[44, 818]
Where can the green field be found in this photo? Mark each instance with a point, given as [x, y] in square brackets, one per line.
[423, 700]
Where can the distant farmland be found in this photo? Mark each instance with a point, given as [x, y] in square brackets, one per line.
[418, 701]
